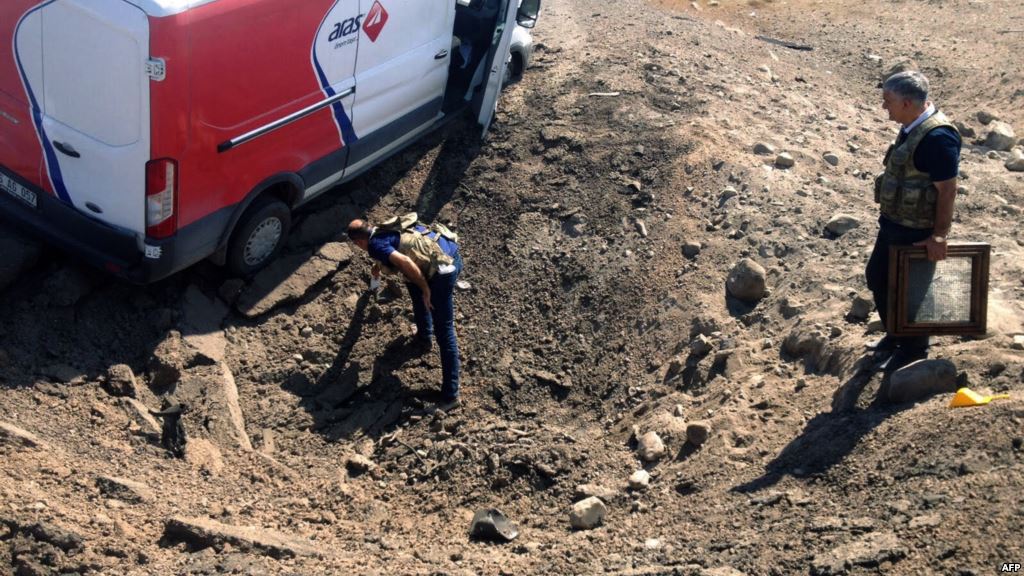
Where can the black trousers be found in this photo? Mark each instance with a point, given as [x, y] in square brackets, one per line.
[877, 271]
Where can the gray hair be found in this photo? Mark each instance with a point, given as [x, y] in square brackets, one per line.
[911, 85]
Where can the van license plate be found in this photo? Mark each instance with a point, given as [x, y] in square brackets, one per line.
[17, 190]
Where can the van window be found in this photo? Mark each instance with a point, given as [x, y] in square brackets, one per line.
[93, 70]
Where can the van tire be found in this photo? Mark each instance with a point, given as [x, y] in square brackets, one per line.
[259, 236]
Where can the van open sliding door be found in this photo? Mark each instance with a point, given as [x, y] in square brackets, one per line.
[495, 66]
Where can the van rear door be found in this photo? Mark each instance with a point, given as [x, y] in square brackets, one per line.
[95, 127]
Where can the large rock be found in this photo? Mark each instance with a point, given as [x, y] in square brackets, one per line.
[288, 279]
[922, 379]
[841, 224]
[19, 255]
[124, 489]
[868, 551]
[1016, 161]
[1000, 136]
[204, 533]
[861, 307]
[604, 493]
[747, 281]
[587, 514]
[170, 357]
[785, 160]
[67, 286]
[650, 447]
[697, 433]
[120, 381]
[15, 435]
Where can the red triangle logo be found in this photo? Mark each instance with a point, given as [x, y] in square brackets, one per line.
[375, 20]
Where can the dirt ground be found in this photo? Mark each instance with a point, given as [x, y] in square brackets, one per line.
[584, 325]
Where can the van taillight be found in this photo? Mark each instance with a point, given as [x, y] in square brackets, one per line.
[161, 198]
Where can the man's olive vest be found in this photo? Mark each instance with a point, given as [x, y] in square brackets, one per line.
[418, 246]
[907, 195]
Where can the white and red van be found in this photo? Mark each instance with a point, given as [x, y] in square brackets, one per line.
[146, 135]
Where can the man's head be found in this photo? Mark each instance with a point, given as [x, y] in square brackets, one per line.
[359, 233]
[905, 96]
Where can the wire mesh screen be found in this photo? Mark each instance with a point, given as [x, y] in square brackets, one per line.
[939, 291]
[945, 297]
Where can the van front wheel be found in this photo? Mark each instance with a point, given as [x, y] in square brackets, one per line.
[260, 234]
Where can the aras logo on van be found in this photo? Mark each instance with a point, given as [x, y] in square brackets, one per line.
[375, 20]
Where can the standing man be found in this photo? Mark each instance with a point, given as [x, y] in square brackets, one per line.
[429, 260]
[915, 193]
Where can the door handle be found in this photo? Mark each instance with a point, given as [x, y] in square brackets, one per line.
[441, 55]
[66, 149]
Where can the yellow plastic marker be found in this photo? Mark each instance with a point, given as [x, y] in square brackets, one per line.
[968, 397]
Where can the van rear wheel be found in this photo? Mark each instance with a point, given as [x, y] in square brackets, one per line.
[259, 237]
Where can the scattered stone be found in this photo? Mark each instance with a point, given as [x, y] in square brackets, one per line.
[650, 447]
[986, 117]
[922, 379]
[1016, 161]
[747, 281]
[358, 464]
[604, 493]
[587, 513]
[964, 130]
[785, 160]
[124, 490]
[861, 307]
[12, 434]
[868, 551]
[492, 525]
[926, 521]
[169, 359]
[763, 149]
[697, 433]
[841, 224]
[721, 571]
[1018, 342]
[692, 249]
[700, 345]
[203, 533]
[120, 381]
[141, 415]
[1000, 136]
[641, 228]
[639, 480]
[832, 158]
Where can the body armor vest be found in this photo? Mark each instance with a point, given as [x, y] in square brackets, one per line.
[420, 246]
[907, 196]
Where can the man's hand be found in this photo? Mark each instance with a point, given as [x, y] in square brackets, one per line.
[936, 249]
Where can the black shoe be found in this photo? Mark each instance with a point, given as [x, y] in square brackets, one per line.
[903, 357]
[420, 346]
[449, 404]
[884, 344]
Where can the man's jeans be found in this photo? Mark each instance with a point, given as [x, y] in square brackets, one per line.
[441, 323]
[877, 272]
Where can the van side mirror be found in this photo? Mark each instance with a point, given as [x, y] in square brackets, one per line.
[527, 15]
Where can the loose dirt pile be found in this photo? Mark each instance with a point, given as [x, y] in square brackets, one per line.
[636, 164]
